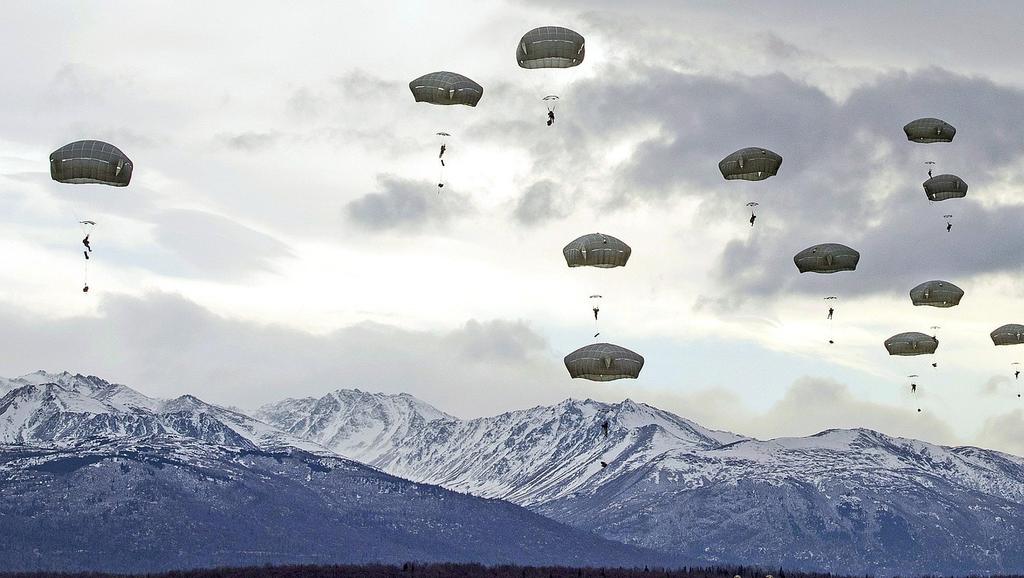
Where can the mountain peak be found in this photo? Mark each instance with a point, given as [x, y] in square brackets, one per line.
[393, 400]
[63, 409]
[186, 402]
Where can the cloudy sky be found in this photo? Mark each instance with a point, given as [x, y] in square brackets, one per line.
[283, 234]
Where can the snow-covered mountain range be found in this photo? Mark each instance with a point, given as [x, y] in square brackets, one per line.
[530, 456]
[63, 409]
[848, 501]
[96, 476]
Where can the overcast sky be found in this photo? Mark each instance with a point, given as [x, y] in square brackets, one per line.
[283, 234]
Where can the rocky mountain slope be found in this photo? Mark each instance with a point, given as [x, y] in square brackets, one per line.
[95, 476]
[847, 501]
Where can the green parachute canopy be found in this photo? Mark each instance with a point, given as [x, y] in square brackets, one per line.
[911, 343]
[929, 130]
[936, 294]
[750, 164]
[550, 47]
[90, 161]
[596, 250]
[446, 88]
[1010, 334]
[604, 362]
[827, 258]
[943, 187]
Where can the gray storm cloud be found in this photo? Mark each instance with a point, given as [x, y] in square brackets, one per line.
[404, 204]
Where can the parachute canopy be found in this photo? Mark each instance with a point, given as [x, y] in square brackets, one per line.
[750, 164]
[911, 343]
[604, 362]
[446, 88]
[596, 250]
[942, 187]
[827, 258]
[936, 294]
[928, 130]
[1010, 334]
[90, 161]
[550, 47]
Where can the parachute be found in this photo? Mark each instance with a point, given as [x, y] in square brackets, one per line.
[604, 362]
[931, 165]
[945, 187]
[595, 306]
[446, 88]
[750, 164]
[551, 101]
[929, 130]
[443, 142]
[87, 231]
[911, 343]
[913, 386]
[596, 250]
[753, 214]
[936, 294]
[827, 258]
[935, 333]
[550, 47]
[1010, 334]
[90, 162]
[831, 302]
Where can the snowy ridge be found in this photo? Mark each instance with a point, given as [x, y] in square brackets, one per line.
[538, 455]
[873, 459]
[848, 501]
[364, 424]
[64, 409]
[528, 456]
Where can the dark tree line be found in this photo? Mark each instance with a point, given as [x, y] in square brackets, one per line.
[417, 570]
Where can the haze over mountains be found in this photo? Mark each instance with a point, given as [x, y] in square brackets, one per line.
[846, 501]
